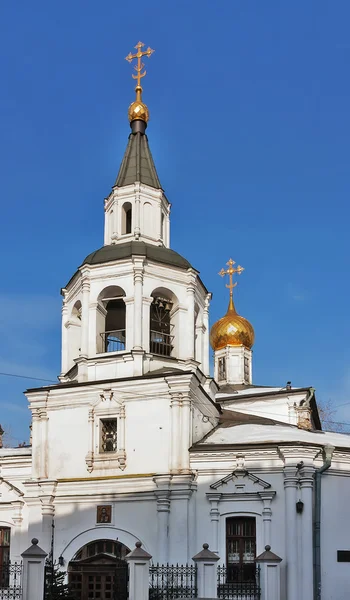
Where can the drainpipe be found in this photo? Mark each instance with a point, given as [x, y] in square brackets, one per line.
[328, 453]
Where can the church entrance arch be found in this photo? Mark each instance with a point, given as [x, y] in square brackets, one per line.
[99, 571]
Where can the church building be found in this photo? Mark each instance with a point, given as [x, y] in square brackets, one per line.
[139, 441]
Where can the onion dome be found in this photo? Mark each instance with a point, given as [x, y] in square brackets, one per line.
[231, 330]
[138, 110]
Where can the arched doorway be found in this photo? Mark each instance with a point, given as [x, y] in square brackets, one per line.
[99, 571]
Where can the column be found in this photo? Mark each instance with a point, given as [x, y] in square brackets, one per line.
[206, 562]
[138, 285]
[306, 558]
[89, 459]
[167, 240]
[146, 304]
[175, 431]
[139, 561]
[137, 216]
[185, 411]
[129, 318]
[44, 422]
[64, 355]
[121, 438]
[33, 572]
[214, 500]
[162, 494]
[85, 318]
[36, 446]
[47, 525]
[16, 537]
[290, 488]
[190, 321]
[205, 358]
[267, 497]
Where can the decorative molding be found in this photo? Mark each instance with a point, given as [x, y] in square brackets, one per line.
[237, 474]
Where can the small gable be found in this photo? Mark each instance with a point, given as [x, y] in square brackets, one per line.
[241, 479]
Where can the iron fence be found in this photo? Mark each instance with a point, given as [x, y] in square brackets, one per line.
[10, 580]
[239, 582]
[168, 582]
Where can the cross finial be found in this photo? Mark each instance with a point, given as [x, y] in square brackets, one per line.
[140, 65]
[231, 271]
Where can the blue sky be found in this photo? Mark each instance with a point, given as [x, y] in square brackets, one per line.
[250, 130]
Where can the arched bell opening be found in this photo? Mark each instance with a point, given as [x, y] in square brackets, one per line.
[74, 325]
[126, 218]
[99, 570]
[111, 315]
[162, 322]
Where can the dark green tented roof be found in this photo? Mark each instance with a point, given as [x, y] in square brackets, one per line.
[137, 164]
[119, 251]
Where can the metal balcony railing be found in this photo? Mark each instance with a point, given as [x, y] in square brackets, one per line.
[161, 343]
[113, 341]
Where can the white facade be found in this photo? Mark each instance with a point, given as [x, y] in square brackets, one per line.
[183, 456]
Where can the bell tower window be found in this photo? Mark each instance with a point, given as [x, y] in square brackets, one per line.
[126, 218]
[111, 320]
[222, 368]
[161, 338]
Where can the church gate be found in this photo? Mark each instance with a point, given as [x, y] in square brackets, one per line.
[98, 571]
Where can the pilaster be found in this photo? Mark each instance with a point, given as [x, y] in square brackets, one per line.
[290, 489]
[306, 559]
[138, 286]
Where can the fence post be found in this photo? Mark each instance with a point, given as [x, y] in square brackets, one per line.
[270, 576]
[139, 561]
[206, 572]
[33, 572]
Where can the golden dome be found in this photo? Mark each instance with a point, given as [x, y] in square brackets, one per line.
[231, 330]
[138, 109]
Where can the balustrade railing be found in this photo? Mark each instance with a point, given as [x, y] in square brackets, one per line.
[113, 341]
[161, 343]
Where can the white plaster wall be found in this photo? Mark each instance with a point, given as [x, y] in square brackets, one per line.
[335, 535]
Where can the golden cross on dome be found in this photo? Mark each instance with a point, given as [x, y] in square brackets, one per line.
[139, 66]
[231, 271]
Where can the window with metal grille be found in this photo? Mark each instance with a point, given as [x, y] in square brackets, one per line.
[109, 435]
[5, 533]
[240, 548]
[222, 368]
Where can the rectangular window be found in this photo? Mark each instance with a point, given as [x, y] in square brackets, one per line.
[222, 368]
[240, 548]
[108, 435]
[5, 533]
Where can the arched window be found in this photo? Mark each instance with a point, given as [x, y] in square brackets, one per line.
[126, 218]
[161, 323]
[111, 320]
[74, 333]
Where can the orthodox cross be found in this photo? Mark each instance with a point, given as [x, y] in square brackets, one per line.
[231, 271]
[140, 65]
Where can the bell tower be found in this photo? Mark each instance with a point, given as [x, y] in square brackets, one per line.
[137, 208]
[134, 306]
